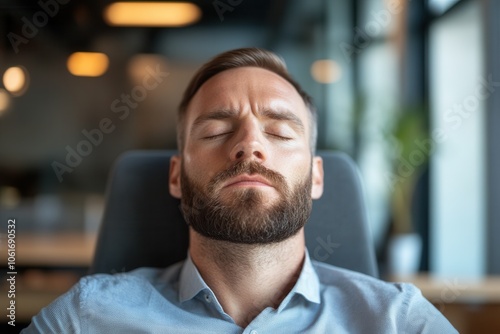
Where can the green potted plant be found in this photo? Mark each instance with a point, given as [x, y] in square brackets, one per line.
[410, 159]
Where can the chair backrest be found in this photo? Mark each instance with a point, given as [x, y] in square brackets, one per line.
[143, 226]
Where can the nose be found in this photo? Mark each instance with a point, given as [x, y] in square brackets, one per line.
[249, 144]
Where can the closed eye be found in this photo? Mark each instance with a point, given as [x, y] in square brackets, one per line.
[279, 136]
[217, 135]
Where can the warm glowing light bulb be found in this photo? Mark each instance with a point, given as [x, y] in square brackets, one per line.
[152, 14]
[326, 71]
[15, 80]
[88, 64]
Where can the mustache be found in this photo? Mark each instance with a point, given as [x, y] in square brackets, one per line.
[251, 168]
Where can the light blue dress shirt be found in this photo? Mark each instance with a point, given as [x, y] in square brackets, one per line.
[325, 299]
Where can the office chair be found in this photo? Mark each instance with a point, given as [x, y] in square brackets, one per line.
[143, 226]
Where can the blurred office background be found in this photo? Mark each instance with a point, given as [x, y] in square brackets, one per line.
[409, 89]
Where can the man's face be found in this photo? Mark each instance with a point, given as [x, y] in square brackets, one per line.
[246, 173]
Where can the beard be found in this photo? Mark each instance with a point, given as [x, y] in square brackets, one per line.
[246, 217]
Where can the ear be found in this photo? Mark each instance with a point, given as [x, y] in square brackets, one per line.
[317, 177]
[174, 177]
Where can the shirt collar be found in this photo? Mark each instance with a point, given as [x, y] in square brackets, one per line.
[191, 283]
[307, 285]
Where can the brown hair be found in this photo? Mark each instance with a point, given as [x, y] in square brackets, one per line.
[246, 57]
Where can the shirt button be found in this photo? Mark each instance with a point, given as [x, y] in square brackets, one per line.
[207, 298]
[253, 332]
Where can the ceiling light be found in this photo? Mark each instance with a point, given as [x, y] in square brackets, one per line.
[88, 64]
[152, 14]
[15, 80]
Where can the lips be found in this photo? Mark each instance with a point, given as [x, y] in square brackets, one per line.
[247, 180]
[247, 174]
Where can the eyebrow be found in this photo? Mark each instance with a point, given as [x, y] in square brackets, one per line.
[214, 115]
[283, 115]
[275, 114]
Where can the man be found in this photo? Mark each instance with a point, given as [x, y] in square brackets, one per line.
[246, 175]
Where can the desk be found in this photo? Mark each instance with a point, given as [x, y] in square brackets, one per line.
[52, 250]
[451, 290]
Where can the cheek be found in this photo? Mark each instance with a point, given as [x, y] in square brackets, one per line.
[294, 166]
[199, 167]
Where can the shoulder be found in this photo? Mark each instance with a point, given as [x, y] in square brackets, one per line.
[401, 304]
[108, 286]
[331, 276]
[128, 287]
[354, 284]
[99, 299]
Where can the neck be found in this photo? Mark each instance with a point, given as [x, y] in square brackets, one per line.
[248, 278]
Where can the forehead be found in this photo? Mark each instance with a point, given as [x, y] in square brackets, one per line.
[247, 89]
